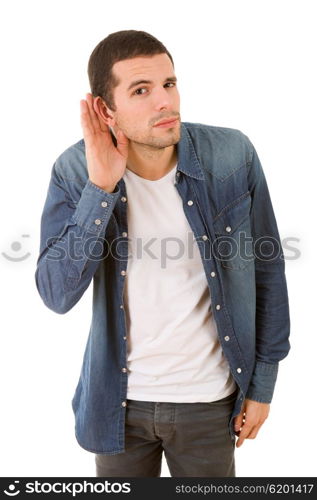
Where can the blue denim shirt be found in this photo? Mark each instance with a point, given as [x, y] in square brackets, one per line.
[225, 197]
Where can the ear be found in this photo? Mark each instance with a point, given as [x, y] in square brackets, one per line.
[104, 113]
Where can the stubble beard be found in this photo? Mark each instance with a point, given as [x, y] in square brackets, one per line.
[153, 142]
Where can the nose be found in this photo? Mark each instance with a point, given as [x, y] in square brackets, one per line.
[163, 99]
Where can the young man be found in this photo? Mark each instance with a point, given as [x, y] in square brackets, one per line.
[174, 223]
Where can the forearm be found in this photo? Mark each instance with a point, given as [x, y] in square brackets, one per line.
[68, 261]
[272, 323]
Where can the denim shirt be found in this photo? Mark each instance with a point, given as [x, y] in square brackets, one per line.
[225, 197]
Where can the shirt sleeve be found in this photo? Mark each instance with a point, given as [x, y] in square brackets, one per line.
[272, 305]
[72, 235]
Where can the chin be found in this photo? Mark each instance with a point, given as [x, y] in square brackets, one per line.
[165, 143]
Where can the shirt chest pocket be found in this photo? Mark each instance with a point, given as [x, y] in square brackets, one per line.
[233, 243]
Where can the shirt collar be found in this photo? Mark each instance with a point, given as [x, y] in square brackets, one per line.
[187, 160]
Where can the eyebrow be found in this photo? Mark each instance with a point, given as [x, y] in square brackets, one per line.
[139, 82]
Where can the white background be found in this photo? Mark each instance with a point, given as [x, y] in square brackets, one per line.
[244, 64]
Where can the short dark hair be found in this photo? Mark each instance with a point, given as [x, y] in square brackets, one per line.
[116, 47]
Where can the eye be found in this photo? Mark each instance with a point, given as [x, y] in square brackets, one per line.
[137, 91]
[140, 89]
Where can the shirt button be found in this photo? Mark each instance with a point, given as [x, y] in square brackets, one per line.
[123, 273]
[121, 306]
[104, 204]
[97, 221]
[177, 173]
[123, 198]
[218, 306]
[124, 403]
[212, 274]
[190, 203]
[124, 234]
[227, 338]
[239, 370]
[124, 338]
[204, 237]
[228, 229]
[124, 370]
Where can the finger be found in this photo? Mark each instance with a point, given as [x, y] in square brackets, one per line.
[246, 430]
[85, 120]
[254, 432]
[122, 143]
[238, 421]
[92, 113]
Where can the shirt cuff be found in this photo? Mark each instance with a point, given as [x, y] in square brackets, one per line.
[95, 207]
[263, 381]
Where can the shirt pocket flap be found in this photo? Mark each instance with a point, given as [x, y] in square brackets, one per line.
[231, 217]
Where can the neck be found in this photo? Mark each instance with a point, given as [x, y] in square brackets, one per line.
[150, 163]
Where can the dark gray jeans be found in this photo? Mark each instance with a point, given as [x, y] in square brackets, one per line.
[195, 438]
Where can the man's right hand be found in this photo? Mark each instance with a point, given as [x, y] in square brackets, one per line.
[106, 163]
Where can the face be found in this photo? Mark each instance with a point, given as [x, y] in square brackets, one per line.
[147, 94]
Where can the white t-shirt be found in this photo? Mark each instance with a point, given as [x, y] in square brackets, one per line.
[173, 351]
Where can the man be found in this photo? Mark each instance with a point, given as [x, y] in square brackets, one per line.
[173, 222]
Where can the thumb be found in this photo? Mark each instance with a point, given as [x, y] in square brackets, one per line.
[239, 420]
[122, 143]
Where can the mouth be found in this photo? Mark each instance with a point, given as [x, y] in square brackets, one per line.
[167, 123]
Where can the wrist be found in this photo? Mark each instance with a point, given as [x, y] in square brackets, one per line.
[108, 189]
